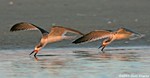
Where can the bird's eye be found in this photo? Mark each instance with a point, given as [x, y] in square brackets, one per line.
[107, 40]
[39, 46]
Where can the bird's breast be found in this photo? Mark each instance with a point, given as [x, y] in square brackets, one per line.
[121, 36]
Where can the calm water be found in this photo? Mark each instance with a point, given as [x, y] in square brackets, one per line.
[76, 63]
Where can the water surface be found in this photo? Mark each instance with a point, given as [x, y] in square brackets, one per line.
[75, 63]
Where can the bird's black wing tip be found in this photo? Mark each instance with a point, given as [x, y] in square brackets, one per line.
[12, 29]
[76, 42]
[82, 33]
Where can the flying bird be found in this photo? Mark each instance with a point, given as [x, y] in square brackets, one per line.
[108, 35]
[57, 33]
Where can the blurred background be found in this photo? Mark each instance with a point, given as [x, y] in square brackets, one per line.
[82, 15]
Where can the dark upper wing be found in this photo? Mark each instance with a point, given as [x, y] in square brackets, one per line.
[59, 31]
[27, 26]
[93, 36]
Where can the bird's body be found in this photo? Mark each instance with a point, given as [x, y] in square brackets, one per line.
[110, 36]
[57, 33]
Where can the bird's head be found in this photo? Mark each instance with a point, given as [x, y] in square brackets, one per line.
[106, 42]
[36, 50]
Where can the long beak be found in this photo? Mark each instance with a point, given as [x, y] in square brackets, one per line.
[103, 46]
[103, 49]
[32, 52]
[100, 47]
[35, 54]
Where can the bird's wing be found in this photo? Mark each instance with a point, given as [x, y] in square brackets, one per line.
[123, 33]
[60, 31]
[27, 26]
[93, 36]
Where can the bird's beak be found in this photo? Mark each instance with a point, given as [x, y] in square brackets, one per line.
[32, 52]
[100, 46]
[36, 51]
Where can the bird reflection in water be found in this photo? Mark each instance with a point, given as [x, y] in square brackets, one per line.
[52, 63]
[118, 55]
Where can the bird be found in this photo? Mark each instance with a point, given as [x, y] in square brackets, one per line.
[57, 33]
[108, 36]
